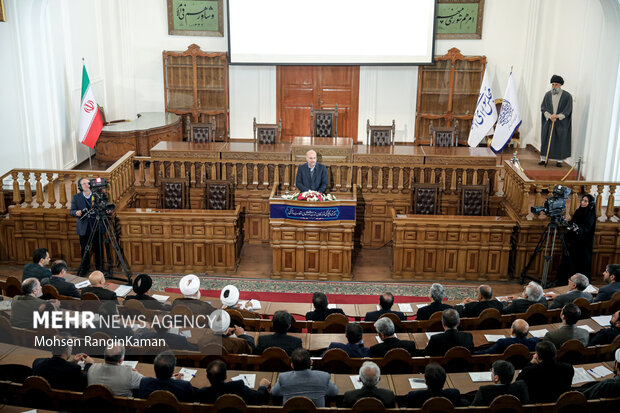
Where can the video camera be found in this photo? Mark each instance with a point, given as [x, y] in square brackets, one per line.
[100, 203]
[555, 206]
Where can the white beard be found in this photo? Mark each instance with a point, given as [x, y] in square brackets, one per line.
[556, 91]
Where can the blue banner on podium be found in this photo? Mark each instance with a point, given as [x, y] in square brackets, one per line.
[311, 213]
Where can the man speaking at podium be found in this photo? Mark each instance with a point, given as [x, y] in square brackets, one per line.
[311, 176]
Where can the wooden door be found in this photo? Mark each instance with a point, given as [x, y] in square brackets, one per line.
[301, 87]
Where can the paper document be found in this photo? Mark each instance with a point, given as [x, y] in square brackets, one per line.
[405, 308]
[480, 377]
[600, 371]
[381, 341]
[378, 307]
[82, 284]
[421, 305]
[417, 383]
[357, 382]
[602, 320]
[5, 304]
[429, 335]
[332, 306]
[123, 290]
[188, 374]
[173, 330]
[591, 289]
[130, 363]
[250, 305]
[587, 328]
[581, 376]
[539, 333]
[186, 333]
[494, 337]
[247, 379]
[161, 298]
[503, 298]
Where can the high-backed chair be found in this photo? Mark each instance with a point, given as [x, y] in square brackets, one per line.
[380, 135]
[203, 132]
[444, 137]
[425, 199]
[474, 200]
[174, 193]
[219, 194]
[324, 122]
[267, 133]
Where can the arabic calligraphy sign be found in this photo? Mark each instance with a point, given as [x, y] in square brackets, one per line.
[303, 213]
[459, 19]
[195, 18]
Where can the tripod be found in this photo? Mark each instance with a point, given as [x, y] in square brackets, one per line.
[549, 233]
[102, 220]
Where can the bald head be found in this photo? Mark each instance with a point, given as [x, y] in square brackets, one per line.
[485, 292]
[520, 328]
[311, 158]
[96, 279]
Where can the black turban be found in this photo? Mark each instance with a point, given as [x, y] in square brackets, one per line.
[142, 283]
[557, 79]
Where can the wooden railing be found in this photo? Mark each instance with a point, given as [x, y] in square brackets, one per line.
[523, 193]
[48, 188]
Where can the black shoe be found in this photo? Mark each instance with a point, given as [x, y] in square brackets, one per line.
[541, 163]
[558, 164]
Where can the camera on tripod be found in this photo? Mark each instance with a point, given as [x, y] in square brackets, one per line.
[555, 206]
[100, 202]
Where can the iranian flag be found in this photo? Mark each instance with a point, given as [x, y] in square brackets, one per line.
[90, 118]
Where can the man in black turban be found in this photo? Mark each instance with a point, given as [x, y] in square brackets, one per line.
[556, 108]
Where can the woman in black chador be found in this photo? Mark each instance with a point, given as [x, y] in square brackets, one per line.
[579, 241]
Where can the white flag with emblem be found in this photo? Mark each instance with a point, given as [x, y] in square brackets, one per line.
[509, 118]
[485, 114]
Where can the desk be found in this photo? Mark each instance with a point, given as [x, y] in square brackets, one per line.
[436, 155]
[409, 155]
[327, 149]
[187, 150]
[254, 151]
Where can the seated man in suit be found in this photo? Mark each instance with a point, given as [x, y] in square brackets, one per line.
[141, 286]
[607, 335]
[437, 293]
[532, 294]
[97, 287]
[355, 346]
[61, 373]
[570, 315]
[386, 331]
[311, 176]
[386, 301]
[23, 306]
[190, 288]
[321, 310]
[435, 378]
[233, 339]
[451, 337]
[518, 330]
[121, 380]
[59, 270]
[576, 286]
[166, 379]
[370, 374]
[546, 379]
[608, 388]
[313, 384]
[471, 308]
[173, 341]
[502, 373]
[216, 373]
[612, 277]
[36, 268]
[281, 322]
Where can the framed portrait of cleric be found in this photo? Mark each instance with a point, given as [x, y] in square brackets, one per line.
[196, 18]
[459, 19]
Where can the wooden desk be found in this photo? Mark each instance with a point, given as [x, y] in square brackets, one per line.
[187, 150]
[409, 155]
[139, 135]
[401, 384]
[459, 155]
[254, 151]
[327, 149]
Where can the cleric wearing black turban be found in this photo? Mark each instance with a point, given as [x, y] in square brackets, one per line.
[556, 108]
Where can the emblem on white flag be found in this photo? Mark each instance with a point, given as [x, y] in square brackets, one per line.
[485, 114]
[509, 118]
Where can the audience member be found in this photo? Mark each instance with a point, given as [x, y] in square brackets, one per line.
[607, 335]
[230, 297]
[121, 380]
[386, 301]
[576, 286]
[321, 310]
[23, 306]
[607, 388]
[109, 312]
[61, 373]
[36, 268]
[546, 379]
[386, 331]
[484, 300]
[518, 335]
[174, 341]
[166, 379]
[451, 337]
[502, 373]
[281, 324]
[355, 346]
[141, 286]
[370, 374]
[234, 339]
[532, 294]
[435, 379]
[216, 373]
[59, 270]
[313, 384]
[190, 288]
[437, 294]
[611, 276]
[97, 287]
[568, 331]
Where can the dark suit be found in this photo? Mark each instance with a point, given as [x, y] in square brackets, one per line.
[149, 302]
[283, 341]
[426, 312]
[210, 394]
[604, 336]
[353, 350]
[563, 299]
[102, 293]
[474, 309]
[416, 398]
[486, 394]
[317, 181]
[374, 315]
[32, 270]
[174, 341]
[321, 315]
[84, 227]
[385, 396]
[380, 349]
[607, 291]
[60, 373]
[607, 388]
[196, 306]
[64, 287]
[520, 305]
[546, 381]
[442, 342]
[180, 388]
[503, 343]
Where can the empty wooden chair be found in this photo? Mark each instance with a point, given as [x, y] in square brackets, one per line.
[444, 136]
[203, 132]
[396, 361]
[380, 135]
[518, 355]
[12, 287]
[425, 199]
[275, 359]
[335, 361]
[334, 323]
[161, 401]
[571, 402]
[267, 133]
[37, 392]
[324, 122]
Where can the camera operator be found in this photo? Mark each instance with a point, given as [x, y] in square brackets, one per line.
[82, 208]
[579, 239]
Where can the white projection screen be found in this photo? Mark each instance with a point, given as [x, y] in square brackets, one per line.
[323, 32]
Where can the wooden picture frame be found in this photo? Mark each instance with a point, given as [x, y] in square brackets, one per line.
[2, 13]
[196, 18]
[459, 19]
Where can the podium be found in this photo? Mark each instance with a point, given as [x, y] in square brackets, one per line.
[312, 240]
